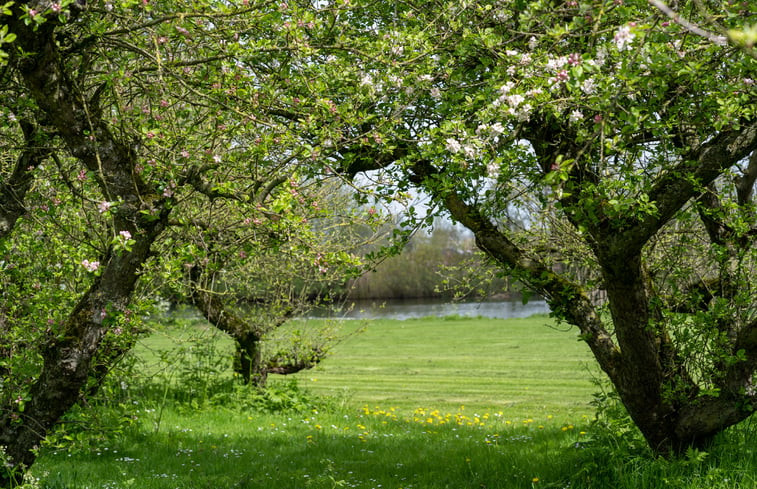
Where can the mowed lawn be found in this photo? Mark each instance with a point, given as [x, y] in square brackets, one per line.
[524, 367]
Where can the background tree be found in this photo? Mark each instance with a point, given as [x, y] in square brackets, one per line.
[249, 276]
[632, 134]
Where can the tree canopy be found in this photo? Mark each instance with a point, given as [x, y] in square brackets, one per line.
[601, 151]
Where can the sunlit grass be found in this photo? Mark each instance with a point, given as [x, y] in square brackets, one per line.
[523, 366]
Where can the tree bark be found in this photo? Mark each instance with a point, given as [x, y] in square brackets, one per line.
[248, 361]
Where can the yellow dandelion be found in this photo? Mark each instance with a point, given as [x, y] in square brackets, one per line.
[535, 480]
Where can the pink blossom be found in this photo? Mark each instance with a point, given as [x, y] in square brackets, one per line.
[90, 266]
[574, 59]
[82, 175]
[55, 7]
[125, 235]
[103, 206]
[598, 118]
[185, 153]
[32, 12]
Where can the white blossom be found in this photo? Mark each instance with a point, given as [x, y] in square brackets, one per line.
[470, 151]
[589, 86]
[623, 38]
[524, 113]
[497, 128]
[576, 116]
[435, 92]
[453, 145]
[367, 80]
[532, 43]
[515, 100]
[103, 206]
[505, 89]
[554, 64]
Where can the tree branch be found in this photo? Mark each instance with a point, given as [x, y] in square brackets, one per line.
[672, 190]
[567, 300]
[13, 191]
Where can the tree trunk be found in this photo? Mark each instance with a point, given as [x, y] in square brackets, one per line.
[248, 362]
[67, 359]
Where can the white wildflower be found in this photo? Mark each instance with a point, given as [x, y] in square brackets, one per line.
[576, 116]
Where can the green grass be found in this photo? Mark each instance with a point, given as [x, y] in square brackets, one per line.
[418, 404]
[525, 367]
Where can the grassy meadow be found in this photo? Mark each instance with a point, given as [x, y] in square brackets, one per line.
[418, 404]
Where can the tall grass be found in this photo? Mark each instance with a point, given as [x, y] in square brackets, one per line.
[421, 404]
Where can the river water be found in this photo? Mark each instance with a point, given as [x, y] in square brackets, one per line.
[407, 309]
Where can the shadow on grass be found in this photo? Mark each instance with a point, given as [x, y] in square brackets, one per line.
[299, 453]
[363, 452]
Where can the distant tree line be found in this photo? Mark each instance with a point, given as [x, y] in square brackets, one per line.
[441, 263]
